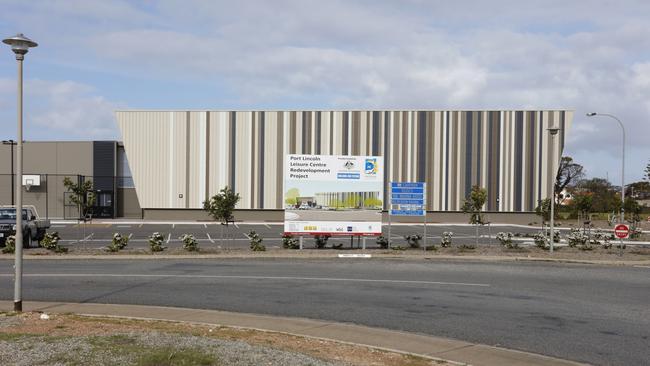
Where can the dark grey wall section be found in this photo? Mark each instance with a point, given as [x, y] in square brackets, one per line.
[104, 165]
[468, 156]
[519, 131]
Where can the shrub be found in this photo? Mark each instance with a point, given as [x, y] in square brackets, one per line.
[413, 240]
[51, 242]
[289, 242]
[576, 238]
[382, 241]
[256, 241]
[506, 240]
[445, 240]
[156, 242]
[321, 240]
[466, 247]
[189, 243]
[118, 243]
[541, 241]
[10, 245]
[337, 246]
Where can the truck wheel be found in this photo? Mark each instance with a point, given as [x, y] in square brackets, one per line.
[27, 240]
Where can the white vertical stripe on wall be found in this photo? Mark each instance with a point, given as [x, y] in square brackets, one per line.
[172, 166]
[445, 149]
[202, 157]
[501, 167]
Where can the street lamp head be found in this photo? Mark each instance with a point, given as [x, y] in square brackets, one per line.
[20, 45]
[591, 114]
[553, 130]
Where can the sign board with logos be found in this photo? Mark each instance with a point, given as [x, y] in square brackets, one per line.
[333, 195]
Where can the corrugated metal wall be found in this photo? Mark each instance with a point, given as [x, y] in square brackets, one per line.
[178, 158]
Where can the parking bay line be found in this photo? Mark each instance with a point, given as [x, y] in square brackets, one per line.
[272, 278]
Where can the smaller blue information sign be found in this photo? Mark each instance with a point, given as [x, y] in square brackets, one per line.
[409, 197]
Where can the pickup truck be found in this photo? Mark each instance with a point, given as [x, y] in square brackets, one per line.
[34, 228]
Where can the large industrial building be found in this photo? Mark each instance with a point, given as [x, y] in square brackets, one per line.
[169, 162]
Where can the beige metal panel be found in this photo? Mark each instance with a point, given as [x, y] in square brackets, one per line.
[271, 166]
[194, 153]
[218, 174]
[146, 140]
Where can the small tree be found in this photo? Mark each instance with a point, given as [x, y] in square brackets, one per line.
[544, 210]
[82, 195]
[156, 242]
[646, 173]
[474, 206]
[256, 241]
[189, 243]
[221, 205]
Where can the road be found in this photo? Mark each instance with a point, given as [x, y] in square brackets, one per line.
[588, 313]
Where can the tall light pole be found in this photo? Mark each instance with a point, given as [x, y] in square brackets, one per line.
[20, 45]
[13, 190]
[553, 131]
[622, 215]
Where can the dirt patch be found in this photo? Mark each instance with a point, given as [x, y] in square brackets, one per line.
[122, 333]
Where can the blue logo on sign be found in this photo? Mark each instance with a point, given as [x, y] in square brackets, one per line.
[371, 166]
[350, 228]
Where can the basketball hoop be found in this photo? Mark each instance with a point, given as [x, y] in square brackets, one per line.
[27, 187]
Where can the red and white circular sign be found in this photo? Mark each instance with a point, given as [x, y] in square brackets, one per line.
[621, 231]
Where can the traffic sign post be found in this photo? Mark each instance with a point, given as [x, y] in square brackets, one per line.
[621, 231]
[410, 200]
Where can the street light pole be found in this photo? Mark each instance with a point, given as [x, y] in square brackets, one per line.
[13, 190]
[622, 214]
[19, 45]
[553, 131]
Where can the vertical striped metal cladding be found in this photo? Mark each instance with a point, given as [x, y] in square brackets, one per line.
[179, 158]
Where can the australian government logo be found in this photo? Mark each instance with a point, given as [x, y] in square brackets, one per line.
[371, 166]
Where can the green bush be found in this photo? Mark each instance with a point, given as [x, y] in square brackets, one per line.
[118, 243]
[256, 242]
[445, 240]
[541, 241]
[382, 241]
[10, 245]
[321, 240]
[413, 240]
[156, 242]
[189, 243]
[289, 242]
[51, 242]
[505, 238]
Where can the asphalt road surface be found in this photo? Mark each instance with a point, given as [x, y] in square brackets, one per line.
[588, 313]
[209, 235]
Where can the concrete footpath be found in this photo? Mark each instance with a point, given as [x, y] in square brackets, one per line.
[463, 353]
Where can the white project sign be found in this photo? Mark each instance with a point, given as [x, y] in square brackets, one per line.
[333, 194]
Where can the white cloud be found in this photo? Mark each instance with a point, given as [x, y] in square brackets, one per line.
[582, 55]
[62, 110]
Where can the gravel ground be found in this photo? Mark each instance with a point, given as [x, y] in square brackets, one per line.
[62, 339]
[30, 350]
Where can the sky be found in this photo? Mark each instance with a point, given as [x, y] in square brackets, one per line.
[96, 56]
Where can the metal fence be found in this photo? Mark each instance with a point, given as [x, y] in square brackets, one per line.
[52, 199]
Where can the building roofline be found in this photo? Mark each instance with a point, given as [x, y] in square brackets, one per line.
[351, 110]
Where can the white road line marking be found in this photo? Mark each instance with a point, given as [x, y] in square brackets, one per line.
[209, 238]
[290, 278]
[123, 226]
[141, 224]
[89, 236]
[58, 226]
[642, 266]
[173, 226]
[234, 223]
[205, 226]
[267, 226]
[130, 235]
[169, 237]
